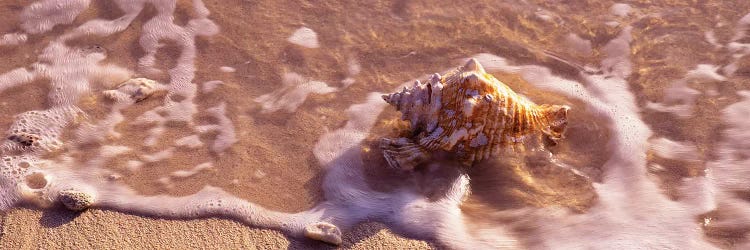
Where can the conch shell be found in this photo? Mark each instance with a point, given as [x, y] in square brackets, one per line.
[470, 113]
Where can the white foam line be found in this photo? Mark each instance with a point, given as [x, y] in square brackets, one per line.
[631, 212]
[190, 172]
[226, 137]
[294, 91]
[350, 200]
[103, 27]
[670, 149]
[15, 77]
[631, 209]
[208, 202]
[42, 16]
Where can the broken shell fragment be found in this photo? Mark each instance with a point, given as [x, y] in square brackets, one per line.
[325, 232]
[76, 200]
[470, 113]
[135, 90]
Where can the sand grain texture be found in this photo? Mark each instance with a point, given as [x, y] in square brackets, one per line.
[273, 164]
[97, 229]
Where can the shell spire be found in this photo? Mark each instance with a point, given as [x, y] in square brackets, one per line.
[395, 98]
[473, 66]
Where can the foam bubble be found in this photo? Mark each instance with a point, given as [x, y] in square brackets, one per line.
[42, 16]
[738, 49]
[734, 147]
[13, 39]
[109, 151]
[39, 130]
[578, 44]
[104, 27]
[133, 165]
[711, 38]
[190, 172]
[632, 212]
[304, 37]
[612, 24]
[669, 149]
[191, 141]
[679, 98]
[617, 60]
[293, 93]
[209, 86]
[226, 136]
[16, 77]
[353, 69]
[620, 9]
[159, 156]
[227, 69]
[544, 15]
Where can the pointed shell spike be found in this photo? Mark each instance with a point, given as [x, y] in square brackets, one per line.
[473, 65]
[392, 99]
[566, 108]
[436, 77]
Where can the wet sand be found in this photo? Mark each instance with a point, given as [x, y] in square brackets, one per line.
[259, 159]
[98, 229]
[393, 42]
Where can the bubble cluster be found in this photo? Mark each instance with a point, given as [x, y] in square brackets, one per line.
[23, 178]
[38, 167]
[631, 214]
[40, 129]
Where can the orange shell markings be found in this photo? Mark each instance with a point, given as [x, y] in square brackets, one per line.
[470, 113]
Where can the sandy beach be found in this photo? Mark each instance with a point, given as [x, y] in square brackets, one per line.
[97, 229]
[278, 79]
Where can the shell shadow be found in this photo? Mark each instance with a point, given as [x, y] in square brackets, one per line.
[305, 243]
[57, 216]
[507, 182]
[528, 180]
[432, 179]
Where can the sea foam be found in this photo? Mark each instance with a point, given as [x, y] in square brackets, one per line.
[632, 212]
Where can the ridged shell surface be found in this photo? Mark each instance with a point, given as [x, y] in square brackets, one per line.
[471, 113]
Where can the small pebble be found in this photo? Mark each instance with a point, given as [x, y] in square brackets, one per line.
[325, 232]
[76, 200]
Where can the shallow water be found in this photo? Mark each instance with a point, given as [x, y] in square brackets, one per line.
[272, 113]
